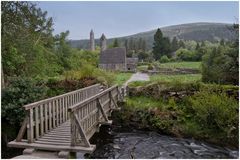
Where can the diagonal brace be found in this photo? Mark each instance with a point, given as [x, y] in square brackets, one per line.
[80, 129]
[114, 102]
[100, 107]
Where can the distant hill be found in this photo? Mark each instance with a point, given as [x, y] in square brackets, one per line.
[192, 31]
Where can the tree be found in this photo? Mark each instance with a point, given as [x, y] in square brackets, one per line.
[174, 45]
[222, 43]
[28, 40]
[197, 46]
[115, 43]
[161, 45]
[181, 44]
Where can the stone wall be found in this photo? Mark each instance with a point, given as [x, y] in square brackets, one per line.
[113, 67]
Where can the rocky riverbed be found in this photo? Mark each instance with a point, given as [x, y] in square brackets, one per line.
[114, 143]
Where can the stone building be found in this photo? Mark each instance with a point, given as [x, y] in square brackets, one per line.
[132, 64]
[113, 59]
[92, 41]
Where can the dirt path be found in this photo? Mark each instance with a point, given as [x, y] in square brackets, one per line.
[137, 77]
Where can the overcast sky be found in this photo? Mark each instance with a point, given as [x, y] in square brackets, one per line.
[125, 18]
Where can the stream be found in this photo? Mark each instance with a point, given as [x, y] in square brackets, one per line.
[117, 144]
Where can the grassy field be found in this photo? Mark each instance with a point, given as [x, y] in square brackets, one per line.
[121, 78]
[193, 65]
[143, 67]
[177, 78]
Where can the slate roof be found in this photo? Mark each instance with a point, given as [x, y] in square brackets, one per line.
[113, 56]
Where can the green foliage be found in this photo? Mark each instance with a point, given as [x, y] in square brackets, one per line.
[164, 59]
[150, 67]
[25, 27]
[174, 44]
[192, 65]
[21, 91]
[217, 112]
[184, 54]
[161, 45]
[176, 78]
[115, 44]
[210, 113]
[221, 65]
[121, 78]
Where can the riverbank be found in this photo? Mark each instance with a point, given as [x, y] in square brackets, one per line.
[200, 111]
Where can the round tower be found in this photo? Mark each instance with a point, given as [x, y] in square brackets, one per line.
[103, 42]
[92, 41]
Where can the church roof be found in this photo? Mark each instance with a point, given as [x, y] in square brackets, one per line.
[113, 56]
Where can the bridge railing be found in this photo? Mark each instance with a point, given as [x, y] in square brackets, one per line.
[87, 115]
[47, 114]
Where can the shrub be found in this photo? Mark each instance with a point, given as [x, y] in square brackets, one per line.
[221, 66]
[185, 55]
[20, 92]
[164, 59]
[216, 111]
[150, 67]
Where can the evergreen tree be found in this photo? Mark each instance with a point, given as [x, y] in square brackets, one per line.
[157, 44]
[222, 43]
[115, 43]
[197, 46]
[174, 45]
[161, 45]
[203, 44]
[181, 44]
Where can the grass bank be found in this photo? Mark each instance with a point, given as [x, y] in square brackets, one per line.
[120, 78]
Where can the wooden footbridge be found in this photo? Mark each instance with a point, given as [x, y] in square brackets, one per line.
[68, 121]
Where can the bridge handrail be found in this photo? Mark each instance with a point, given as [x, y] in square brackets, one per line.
[86, 101]
[32, 105]
[87, 115]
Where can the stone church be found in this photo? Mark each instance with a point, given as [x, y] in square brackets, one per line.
[113, 59]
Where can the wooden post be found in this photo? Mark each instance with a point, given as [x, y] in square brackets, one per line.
[41, 120]
[46, 117]
[36, 122]
[73, 132]
[50, 115]
[30, 126]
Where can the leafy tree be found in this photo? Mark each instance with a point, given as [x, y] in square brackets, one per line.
[26, 32]
[185, 54]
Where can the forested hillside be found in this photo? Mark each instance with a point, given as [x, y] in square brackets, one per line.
[212, 32]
